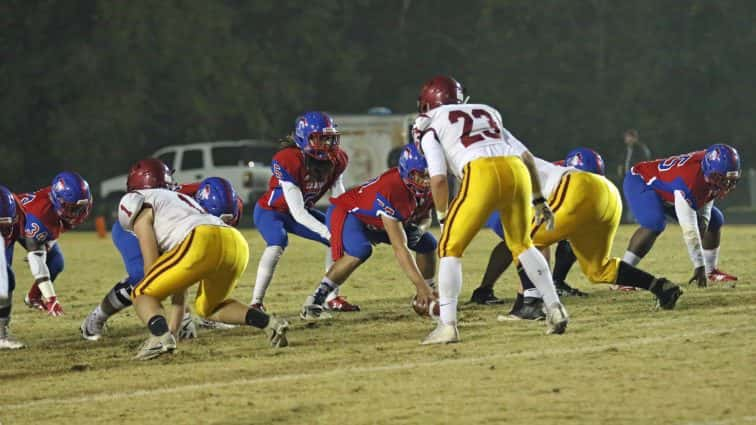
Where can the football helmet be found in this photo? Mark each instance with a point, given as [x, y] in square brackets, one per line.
[439, 90]
[218, 197]
[8, 215]
[721, 168]
[71, 197]
[585, 159]
[316, 135]
[150, 173]
[414, 170]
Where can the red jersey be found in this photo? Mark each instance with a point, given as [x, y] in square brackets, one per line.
[42, 222]
[289, 165]
[384, 195]
[679, 172]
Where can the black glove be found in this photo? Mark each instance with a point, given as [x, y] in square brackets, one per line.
[414, 234]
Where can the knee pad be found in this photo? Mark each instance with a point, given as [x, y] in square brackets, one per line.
[55, 262]
[363, 251]
[424, 244]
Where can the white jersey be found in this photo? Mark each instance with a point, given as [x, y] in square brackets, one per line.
[471, 131]
[175, 214]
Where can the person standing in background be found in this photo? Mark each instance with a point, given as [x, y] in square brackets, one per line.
[635, 152]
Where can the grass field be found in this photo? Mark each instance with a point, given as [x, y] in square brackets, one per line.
[620, 362]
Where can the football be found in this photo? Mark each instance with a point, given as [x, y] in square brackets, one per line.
[432, 310]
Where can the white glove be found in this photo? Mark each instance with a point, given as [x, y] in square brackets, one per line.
[543, 213]
[187, 329]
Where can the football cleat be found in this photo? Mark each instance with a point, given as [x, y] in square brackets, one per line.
[156, 346]
[10, 343]
[565, 290]
[443, 334]
[341, 304]
[622, 288]
[212, 324]
[91, 328]
[556, 319]
[484, 296]
[667, 293]
[276, 331]
[311, 312]
[531, 308]
[717, 275]
[258, 306]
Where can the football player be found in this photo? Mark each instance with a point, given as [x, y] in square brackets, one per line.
[308, 165]
[580, 158]
[11, 223]
[391, 209]
[48, 213]
[684, 188]
[214, 194]
[498, 174]
[181, 244]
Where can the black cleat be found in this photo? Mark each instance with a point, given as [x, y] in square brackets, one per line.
[565, 290]
[667, 293]
[530, 309]
[485, 296]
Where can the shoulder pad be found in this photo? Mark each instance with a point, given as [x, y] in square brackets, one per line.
[423, 121]
[128, 209]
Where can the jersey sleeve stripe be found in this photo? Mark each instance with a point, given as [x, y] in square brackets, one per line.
[453, 211]
[171, 260]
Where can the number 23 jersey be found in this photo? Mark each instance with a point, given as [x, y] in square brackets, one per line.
[175, 214]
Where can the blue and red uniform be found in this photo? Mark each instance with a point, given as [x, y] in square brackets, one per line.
[272, 216]
[650, 186]
[355, 222]
[43, 226]
[9, 241]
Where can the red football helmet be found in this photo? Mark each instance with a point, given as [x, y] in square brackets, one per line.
[439, 90]
[150, 173]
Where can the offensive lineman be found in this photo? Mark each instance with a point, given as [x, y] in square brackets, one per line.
[497, 173]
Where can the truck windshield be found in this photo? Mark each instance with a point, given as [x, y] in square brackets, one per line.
[225, 156]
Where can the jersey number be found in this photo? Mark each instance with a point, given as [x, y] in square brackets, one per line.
[673, 161]
[467, 139]
[189, 202]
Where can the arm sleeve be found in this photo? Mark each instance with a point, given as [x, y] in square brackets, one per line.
[4, 281]
[689, 224]
[295, 201]
[434, 154]
[338, 186]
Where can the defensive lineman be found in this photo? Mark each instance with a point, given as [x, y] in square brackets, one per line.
[495, 176]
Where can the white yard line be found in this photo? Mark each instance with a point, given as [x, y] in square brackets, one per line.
[58, 401]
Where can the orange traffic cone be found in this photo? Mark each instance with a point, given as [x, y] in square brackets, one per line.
[102, 230]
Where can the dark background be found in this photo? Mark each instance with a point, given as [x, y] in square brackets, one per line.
[93, 85]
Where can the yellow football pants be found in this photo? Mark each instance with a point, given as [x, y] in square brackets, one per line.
[214, 256]
[489, 184]
[587, 210]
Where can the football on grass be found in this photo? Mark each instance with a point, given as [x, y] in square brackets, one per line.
[432, 310]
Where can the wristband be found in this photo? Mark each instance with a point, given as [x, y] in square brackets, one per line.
[441, 216]
[539, 200]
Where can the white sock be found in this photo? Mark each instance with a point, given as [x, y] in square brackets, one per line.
[539, 273]
[531, 293]
[334, 293]
[265, 269]
[711, 258]
[449, 286]
[631, 258]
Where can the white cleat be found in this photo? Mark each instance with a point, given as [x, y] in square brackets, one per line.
[91, 328]
[443, 334]
[156, 346]
[556, 319]
[276, 331]
[9, 343]
[212, 324]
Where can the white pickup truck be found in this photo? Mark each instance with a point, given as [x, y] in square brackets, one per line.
[245, 163]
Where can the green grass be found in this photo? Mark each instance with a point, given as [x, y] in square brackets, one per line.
[620, 362]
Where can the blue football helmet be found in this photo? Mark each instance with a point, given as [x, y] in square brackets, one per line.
[7, 211]
[414, 169]
[585, 159]
[71, 198]
[218, 197]
[316, 135]
[721, 167]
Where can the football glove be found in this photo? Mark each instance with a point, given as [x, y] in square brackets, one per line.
[543, 213]
[52, 306]
[187, 329]
[414, 234]
[699, 277]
